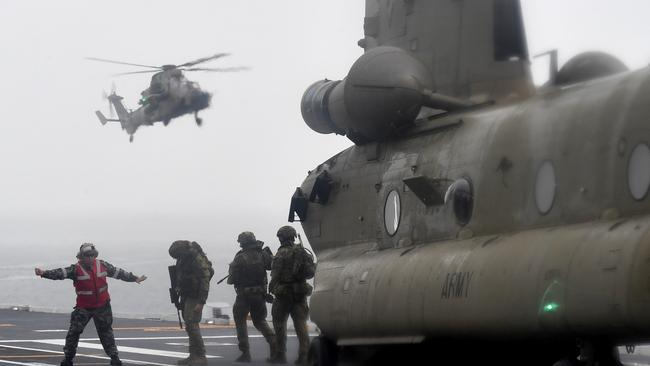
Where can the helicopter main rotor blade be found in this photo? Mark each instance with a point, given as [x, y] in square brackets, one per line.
[135, 72]
[220, 69]
[204, 59]
[120, 62]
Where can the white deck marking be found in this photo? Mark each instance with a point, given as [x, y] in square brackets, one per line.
[124, 349]
[186, 344]
[142, 338]
[129, 338]
[137, 362]
[26, 363]
[50, 330]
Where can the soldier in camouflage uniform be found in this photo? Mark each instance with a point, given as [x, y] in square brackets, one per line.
[248, 273]
[290, 287]
[194, 272]
[93, 301]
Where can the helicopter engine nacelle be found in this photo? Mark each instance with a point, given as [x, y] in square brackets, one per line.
[381, 97]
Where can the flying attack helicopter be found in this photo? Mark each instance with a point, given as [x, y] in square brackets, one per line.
[475, 214]
[168, 96]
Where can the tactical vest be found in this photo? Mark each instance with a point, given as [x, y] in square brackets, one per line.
[91, 286]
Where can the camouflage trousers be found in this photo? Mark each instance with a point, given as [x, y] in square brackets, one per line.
[192, 319]
[256, 306]
[286, 305]
[103, 319]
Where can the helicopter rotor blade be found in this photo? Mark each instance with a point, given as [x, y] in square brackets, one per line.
[204, 59]
[120, 62]
[135, 72]
[220, 69]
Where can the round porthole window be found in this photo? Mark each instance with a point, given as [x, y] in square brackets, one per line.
[392, 212]
[462, 198]
[638, 171]
[545, 187]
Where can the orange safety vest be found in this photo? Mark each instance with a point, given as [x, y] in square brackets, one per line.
[91, 286]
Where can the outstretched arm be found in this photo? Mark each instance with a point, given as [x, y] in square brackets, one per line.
[57, 274]
[120, 274]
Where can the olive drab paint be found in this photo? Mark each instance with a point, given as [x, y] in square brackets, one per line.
[471, 204]
[456, 285]
[169, 95]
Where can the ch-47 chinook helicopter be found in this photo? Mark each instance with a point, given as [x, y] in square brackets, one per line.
[169, 95]
[475, 214]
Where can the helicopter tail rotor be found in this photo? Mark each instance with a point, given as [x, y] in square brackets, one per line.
[107, 97]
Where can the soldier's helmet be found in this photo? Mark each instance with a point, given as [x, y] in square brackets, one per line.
[179, 249]
[246, 238]
[286, 233]
[87, 250]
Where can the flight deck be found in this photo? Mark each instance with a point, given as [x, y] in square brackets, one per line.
[37, 339]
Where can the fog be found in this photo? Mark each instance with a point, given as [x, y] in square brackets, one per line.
[67, 179]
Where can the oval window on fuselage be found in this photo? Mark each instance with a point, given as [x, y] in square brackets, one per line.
[392, 212]
[638, 171]
[545, 187]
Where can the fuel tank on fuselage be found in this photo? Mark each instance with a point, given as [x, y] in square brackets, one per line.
[551, 241]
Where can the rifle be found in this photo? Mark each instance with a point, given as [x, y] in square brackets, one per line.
[223, 279]
[174, 295]
[303, 247]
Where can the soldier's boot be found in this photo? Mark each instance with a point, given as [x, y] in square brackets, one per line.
[280, 357]
[244, 357]
[115, 361]
[66, 362]
[184, 361]
[198, 361]
[301, 360]
[273, 351]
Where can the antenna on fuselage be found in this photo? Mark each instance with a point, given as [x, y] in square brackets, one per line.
[553, 66]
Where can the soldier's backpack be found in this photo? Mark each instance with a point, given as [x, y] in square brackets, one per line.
[304, 267]
[249, 268]
[194, 245]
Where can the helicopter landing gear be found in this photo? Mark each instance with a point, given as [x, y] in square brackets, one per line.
[322, 352]
[130, 138]
[199, 121]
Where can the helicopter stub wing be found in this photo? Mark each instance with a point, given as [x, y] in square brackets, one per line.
[473, 49]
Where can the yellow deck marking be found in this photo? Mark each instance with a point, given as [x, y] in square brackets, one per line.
[7, 325]
[172, 328]
[29, 356]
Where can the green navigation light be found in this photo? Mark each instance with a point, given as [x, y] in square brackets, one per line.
[551, 307]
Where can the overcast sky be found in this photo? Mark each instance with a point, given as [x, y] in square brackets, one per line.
[66, 179]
